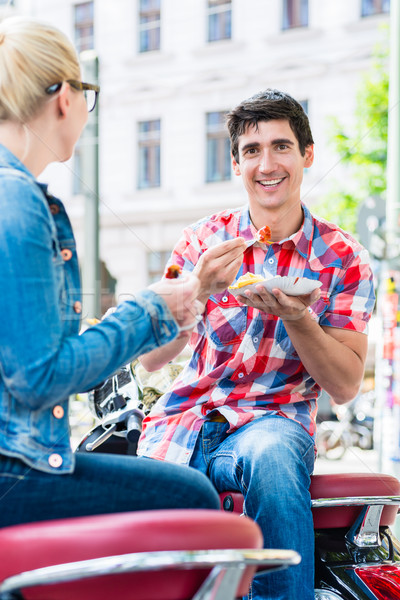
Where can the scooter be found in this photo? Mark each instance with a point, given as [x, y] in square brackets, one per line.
[178, 554]
[357, 556]
[145, 555]
[118, 407]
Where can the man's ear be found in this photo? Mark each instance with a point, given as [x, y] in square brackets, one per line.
[63, 100]
[235, 166]
[309, 156]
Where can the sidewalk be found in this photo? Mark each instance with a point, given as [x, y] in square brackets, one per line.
[355, 460]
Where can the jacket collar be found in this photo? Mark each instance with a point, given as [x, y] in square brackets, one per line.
[10, 161]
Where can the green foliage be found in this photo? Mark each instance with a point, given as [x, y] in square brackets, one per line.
[364, 150]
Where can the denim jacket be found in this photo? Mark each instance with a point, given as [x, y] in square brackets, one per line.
[43, 359]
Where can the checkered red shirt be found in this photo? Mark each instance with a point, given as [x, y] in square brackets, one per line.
[243, 361]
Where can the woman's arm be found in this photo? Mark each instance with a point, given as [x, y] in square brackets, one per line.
[39, 363]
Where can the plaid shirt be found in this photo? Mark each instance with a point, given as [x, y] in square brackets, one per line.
[243, 361]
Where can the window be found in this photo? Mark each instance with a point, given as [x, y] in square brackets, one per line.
[83, 26]
[374, 7]
[149, 134]
[156, 262]
[149, 25]
[304, 105]
[295, 14]
[219, 20]
[218, 148]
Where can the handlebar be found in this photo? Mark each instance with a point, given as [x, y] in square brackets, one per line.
[134, 427]
[90, 446]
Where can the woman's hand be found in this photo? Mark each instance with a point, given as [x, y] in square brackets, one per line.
[180, 295]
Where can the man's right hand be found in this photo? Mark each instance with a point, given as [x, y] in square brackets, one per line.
[218, 266]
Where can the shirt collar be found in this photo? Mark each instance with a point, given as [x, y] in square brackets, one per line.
[246, 228]
[302, 239]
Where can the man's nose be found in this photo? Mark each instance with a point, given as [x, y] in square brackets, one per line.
[267, 162]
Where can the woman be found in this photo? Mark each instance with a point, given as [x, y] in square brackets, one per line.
[43, 360]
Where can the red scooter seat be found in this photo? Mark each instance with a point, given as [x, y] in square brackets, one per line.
[37, 545]
[340, 485]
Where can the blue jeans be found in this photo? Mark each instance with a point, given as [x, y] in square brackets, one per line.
[101, 483]
[269, 461]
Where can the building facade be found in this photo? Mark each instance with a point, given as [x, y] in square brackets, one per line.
[169, 70]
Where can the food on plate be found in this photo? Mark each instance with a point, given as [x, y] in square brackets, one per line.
[290, 285]
[246, 280]
[173, 272]
[263, 235]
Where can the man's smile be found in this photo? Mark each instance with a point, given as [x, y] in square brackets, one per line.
[269, 183]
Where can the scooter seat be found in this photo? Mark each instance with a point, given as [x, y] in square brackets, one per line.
[37, 545]
[340, 486]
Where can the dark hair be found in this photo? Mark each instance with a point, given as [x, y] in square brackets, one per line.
[266, 106]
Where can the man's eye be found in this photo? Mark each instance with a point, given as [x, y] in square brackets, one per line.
[251, 151]
[282, 146]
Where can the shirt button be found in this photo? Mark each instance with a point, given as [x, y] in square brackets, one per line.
[78, 307]
[241, 375]
[255, 340]
[54, 209]
[271, 261]
[58, 412]
[55, 460]
[66, 253]
[225, 299]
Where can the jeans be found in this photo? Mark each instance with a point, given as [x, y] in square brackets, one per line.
[269, 461]
[101, 483]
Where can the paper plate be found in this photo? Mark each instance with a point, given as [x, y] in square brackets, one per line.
[292, 286]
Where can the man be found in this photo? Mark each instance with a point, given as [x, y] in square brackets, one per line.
[243, 410]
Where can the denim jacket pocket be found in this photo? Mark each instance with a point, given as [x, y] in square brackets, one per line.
[226, 319]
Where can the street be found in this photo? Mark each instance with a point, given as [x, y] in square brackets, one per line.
[354, 460]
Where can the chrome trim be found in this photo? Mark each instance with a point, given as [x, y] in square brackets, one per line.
[364, 533]
[225, 564]
[355, 501]
[220, 584]
[321, 594]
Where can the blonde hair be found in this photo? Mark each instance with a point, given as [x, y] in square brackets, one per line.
[33, 56]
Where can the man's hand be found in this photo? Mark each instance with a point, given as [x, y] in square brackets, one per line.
[218, 266]
[288, 308]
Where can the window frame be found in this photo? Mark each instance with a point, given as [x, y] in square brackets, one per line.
[219, 19]
[149, 143]
[80, 25]
[155, 274]
[297, 19]
[149, 27]
[378, 7]
[218, 167]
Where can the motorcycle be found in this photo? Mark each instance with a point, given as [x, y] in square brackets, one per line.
[178, 554]
[119, 406]
[145, 555]
[357, 556]
[353, 427]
